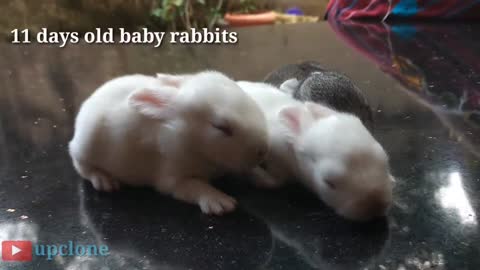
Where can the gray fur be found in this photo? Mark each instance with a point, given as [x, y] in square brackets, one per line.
[330, 88]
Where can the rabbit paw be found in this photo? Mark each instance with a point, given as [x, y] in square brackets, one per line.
[217, 204]
[103, 182]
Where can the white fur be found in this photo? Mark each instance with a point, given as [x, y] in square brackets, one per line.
[290, 86]
[164, 132]
[318, 146]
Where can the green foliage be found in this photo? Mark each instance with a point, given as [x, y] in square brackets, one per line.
[177, 15]
[184, 14]
[247, 6]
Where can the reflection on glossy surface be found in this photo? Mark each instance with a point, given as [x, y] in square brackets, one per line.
[438, 65]
[433, 155]
[18, 230]
[303, 235]
[156, 230]
[453, 196]
[419, 55]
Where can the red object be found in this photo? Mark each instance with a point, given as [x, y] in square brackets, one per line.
[18, 251]
[251, 19]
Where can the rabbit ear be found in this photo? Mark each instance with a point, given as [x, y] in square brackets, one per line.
[172, 80]
[319, 111]
[290, 86]
[295, 119]
[153, 103]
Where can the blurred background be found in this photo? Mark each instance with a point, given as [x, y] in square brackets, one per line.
[85, 15]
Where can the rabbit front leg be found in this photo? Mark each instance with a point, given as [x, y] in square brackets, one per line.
[199, 191]
[100, 180]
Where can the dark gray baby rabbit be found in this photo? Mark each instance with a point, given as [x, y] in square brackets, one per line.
[310, 81]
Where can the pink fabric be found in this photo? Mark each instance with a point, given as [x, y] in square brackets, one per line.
[415, 9]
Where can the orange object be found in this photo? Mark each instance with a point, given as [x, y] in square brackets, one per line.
[251, 19]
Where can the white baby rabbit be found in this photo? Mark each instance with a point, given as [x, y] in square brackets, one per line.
[172, 132]
[331, 153]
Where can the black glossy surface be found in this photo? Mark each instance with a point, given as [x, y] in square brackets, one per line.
[434, 156]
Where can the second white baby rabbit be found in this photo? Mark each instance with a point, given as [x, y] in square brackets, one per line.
[332, 153]
[172, 132]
